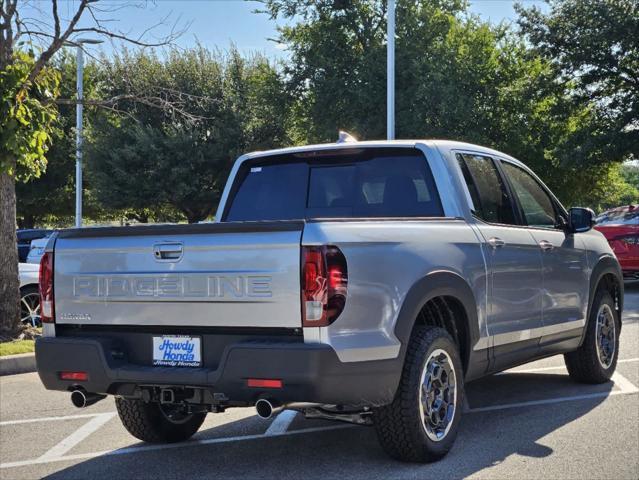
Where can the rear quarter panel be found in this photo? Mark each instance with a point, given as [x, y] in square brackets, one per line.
[385, 259]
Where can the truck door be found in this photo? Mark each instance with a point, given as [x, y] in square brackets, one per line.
[565, 272]
[513, 258]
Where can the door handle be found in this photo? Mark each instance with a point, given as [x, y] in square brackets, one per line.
[546, 245]
[496, 242]
[168, 251]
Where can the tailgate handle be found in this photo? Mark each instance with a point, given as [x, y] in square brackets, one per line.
[168, 252]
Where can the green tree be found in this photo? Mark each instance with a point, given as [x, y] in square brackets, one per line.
[27, 116]
[457, 77]
[148, 159]
[28, 87]
[594, 45]
[630, 174]
[50, 196]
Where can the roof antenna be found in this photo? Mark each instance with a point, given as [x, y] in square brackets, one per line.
[345, 137]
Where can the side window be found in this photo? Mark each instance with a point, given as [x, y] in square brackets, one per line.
[536, 204]
[490, 198]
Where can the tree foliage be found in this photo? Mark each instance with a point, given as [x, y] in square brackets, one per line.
[457, 77]
[594, 45]
[27, 116]
[149, 159]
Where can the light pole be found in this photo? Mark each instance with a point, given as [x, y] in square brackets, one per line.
[78, 123]
[390, 71]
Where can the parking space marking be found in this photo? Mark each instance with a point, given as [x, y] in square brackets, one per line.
[78, 436]
[281, 422]
[51, 419]
[626, 387]
[165, 446]
[555, 367]
[279, 426]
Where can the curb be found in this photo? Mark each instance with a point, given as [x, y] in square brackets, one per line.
[21, 363]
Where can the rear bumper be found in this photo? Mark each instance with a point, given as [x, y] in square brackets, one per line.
[309, 372]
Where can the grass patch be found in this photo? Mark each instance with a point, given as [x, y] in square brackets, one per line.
[16, 346]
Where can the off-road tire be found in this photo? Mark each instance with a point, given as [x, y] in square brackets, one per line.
[146, 422]
[399, 425]
[583, 364]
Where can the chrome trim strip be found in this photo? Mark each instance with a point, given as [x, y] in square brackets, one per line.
[522, 335]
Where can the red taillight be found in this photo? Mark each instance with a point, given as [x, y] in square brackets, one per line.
[76, 376]
[47, 308]
[324, 281]
[263, 383]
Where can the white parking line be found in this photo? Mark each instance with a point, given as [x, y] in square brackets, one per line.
[623, 383]
[281, 422]
[51, 419]
[555, 367]
[279, 426]
[165, 446]
[625, 387]
[76, 437]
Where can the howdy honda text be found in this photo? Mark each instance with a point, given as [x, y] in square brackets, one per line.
[176, 351]
[172, 286]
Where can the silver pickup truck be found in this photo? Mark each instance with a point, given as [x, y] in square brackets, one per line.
[364, 282]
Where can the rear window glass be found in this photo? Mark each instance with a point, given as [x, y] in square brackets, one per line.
[376, 183]
[271, 192]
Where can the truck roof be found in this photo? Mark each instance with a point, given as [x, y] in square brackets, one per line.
[433, 143]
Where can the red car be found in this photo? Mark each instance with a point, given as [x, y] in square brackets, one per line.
[621, 228]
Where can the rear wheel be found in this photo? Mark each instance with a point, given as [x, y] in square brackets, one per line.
[422, 422]
[595, 361]
[158, 423]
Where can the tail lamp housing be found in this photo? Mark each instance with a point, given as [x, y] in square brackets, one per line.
[324, 285]
[47, 306]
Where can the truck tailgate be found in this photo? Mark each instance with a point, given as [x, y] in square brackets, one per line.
[228, 275]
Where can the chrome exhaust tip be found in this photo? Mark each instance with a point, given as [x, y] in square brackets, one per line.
[82, 399]
[267, 408]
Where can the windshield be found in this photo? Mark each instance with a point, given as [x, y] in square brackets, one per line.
[619, 217]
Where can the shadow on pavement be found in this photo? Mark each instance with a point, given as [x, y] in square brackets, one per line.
[485, 439]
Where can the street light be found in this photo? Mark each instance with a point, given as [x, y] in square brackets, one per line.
[78, 122]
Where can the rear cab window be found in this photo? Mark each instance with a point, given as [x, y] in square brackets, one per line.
[357, 183]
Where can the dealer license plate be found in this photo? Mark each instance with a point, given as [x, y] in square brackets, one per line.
[177, 351]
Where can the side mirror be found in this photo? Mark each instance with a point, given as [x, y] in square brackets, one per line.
[581, 219]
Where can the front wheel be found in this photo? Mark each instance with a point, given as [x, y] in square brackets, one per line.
[422, 422]
[157, 423]
[595, 361]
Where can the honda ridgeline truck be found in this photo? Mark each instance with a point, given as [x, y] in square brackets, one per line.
[363, 282]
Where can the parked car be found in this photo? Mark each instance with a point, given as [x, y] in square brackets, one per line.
[364, 282]
[37, 250]
[621, 228]
[29, 294]
[24, 240]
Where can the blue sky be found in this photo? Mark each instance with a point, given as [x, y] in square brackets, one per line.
[217, 23]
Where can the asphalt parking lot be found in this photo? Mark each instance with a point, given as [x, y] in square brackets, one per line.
[529, 422]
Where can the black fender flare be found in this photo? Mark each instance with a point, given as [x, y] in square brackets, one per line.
[437, 284]
[605, 265]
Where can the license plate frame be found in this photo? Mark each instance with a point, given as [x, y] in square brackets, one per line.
[181, 351]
